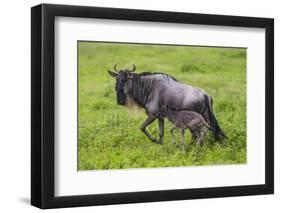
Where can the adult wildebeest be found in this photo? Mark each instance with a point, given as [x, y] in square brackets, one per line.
[155, 91]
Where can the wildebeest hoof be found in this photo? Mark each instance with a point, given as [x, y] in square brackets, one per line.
[199, 143]
[160, 142]
[154, 140]
[181, 148]
[157, 141]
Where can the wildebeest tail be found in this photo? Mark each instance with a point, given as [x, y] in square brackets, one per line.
[215, 128]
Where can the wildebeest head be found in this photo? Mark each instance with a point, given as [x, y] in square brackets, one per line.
[121, 86]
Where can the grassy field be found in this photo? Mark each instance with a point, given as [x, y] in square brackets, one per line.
[109, 136]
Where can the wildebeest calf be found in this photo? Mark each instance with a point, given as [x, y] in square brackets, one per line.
[191, 120]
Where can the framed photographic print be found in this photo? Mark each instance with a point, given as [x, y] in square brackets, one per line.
[139, 106]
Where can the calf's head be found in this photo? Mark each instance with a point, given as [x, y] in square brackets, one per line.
[122, 79]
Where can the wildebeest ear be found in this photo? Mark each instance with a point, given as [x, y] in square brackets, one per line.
[113, 74]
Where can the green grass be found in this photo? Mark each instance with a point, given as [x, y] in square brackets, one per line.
[109, 137]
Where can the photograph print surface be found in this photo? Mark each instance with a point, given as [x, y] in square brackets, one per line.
[155, 105]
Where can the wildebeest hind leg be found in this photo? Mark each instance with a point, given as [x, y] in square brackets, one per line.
[146, 123]
[193, 136]
[201, 138]
[161, 129]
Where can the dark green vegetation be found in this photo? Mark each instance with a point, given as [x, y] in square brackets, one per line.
[109, 137]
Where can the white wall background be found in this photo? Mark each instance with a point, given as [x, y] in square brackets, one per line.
[15, 105]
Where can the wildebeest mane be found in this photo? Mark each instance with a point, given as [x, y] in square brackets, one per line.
[155, 73]
[141, 89]
[143, 85]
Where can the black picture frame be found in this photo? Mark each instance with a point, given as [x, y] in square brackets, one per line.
[43, 105]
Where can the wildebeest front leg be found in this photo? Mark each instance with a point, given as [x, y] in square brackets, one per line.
[161, 129]
[146, 123]
[173, 136]
[182, 140]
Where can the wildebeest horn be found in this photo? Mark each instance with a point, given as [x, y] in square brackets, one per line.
[115, 67]
[134, 68]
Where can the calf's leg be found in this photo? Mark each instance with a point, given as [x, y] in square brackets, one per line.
[201, 137]
[182, 140]
[173, 136]
[193, 136]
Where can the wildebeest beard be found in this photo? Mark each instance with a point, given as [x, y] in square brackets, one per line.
[121, 97]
